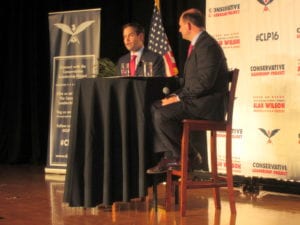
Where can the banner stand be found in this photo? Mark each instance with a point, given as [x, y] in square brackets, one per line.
[74, 54]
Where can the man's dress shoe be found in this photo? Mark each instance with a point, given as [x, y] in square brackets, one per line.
[165, 164]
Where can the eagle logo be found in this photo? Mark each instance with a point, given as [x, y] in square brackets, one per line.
[269, 134]
[74, 30]
[265, 3]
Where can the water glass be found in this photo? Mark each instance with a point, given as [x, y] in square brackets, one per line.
[148, 69]
[125, 69]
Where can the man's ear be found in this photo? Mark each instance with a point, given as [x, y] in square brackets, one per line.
[142, 36]
[189, 25]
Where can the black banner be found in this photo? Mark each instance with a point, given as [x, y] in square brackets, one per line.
[74, 51]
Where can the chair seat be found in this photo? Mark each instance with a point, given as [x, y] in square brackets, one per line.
[205, 125]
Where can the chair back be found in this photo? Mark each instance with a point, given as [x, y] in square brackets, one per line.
[233, 78]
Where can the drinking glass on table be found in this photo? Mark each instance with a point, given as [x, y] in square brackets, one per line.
[148, 69]
[125, 69]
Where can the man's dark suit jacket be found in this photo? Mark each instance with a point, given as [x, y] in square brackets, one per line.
[203, 93]
[147, 56]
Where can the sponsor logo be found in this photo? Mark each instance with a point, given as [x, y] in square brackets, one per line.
[269, 134]
[74, 30]
[268, 36]
[236, 134]
[268, 70]
[269, 168]
[274, 104]
[265, 3]
[227, 10]
[231, 40]
[236, 164]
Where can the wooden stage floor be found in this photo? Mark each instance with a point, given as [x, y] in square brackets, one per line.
[28, 196]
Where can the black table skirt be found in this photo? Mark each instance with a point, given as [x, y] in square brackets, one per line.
[110, 139]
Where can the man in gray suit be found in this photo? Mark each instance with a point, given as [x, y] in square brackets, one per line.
[133, 38]
[201, 96]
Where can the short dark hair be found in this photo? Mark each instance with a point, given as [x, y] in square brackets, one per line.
[139, 29]
[195, 16]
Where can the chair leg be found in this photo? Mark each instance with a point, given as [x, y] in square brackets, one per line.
[229, 174]
[154, 202]
[217, 199]
[231, 196]
[214, 168]
[230, 188]
[217, 219]
[183, 197]
[184, 169]
[176, 194]
[169, 187]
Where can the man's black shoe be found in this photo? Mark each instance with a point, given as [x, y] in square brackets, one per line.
[165, 164]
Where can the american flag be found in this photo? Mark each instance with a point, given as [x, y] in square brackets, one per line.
[158, 42]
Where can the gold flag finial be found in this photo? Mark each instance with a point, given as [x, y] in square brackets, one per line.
[157, 3]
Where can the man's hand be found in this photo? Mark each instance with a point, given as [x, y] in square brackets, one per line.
[170, 100]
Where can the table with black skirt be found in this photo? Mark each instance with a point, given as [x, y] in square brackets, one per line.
[111, 139]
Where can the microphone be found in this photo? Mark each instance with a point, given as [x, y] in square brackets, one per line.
[166, 90]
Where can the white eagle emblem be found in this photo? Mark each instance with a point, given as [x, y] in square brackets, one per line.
[73, 30]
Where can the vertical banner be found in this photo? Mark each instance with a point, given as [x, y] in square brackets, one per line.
[74, 52]
[259, 39]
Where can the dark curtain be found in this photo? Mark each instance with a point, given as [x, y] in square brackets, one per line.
[25, 79]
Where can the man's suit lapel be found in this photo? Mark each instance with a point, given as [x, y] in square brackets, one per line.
[190, 58]
[139, 67]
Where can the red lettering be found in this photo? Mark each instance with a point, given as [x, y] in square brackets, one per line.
[258, 105]
[277, 72]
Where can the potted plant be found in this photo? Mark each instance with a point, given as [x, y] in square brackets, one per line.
[106, 68]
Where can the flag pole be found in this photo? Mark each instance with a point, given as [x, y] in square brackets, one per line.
[157, 3]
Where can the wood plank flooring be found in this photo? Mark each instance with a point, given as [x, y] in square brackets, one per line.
[28, 196]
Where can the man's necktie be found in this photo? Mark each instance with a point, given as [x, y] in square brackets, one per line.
[132, 65]
[191, 47]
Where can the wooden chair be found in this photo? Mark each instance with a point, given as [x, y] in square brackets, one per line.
[216, 180]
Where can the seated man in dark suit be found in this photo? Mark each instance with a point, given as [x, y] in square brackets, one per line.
[201, 96]
[133, 37]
